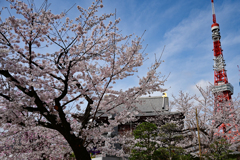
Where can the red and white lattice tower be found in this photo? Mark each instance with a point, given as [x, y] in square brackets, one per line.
[222, 89]
[220, 75]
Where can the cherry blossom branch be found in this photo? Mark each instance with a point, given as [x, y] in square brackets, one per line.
[6, 97]
[8, 75]
[32, 62]
[72, 100]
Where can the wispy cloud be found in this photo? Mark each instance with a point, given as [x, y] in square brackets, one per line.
[188, 53]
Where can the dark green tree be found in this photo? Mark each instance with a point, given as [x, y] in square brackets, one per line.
[170, 136]
[154, 143]
[145, 149]
[219, 150]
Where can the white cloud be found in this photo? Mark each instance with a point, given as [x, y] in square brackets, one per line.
[187, 34]
[202, 83]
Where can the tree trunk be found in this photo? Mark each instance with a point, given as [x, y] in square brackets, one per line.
[170, 157]
[81, 153]
[76, 144]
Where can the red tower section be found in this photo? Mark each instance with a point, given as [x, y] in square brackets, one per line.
[222, 89]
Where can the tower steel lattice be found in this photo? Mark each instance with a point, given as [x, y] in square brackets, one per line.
[222, 89]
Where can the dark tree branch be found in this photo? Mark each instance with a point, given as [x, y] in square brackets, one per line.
[72, 100]
[45, 124]
[31, 109]
[6, 97]
[8, 75]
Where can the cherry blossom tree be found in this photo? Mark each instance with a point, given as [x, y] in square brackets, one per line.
[210, 117]
[56, 70]
[34, 142]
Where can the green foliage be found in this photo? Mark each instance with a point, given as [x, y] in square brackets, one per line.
[145, 149]
[186, 157]
[170, 137]
[148, 149]
[163, 154]
[233, 156]
[218, 150]
[72, 155]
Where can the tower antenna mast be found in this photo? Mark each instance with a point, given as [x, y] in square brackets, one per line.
[213, 12]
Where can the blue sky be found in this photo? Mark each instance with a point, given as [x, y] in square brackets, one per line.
[185, 28]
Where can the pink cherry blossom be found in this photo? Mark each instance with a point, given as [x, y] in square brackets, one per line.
[57, 75]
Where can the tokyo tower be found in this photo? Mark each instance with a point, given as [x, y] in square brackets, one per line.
[222, 89]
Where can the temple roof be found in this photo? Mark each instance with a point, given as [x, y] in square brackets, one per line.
[148, 106]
